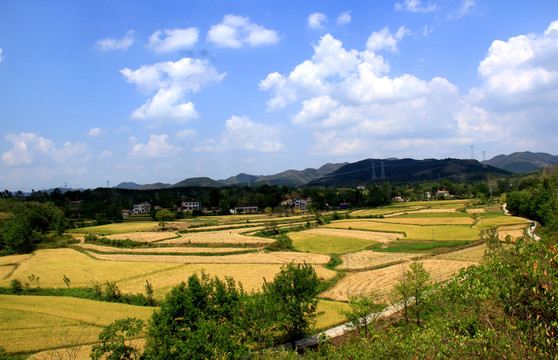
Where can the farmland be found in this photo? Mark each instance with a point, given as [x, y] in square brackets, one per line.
[374, 247]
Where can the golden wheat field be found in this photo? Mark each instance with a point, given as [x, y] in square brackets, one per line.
[57, 321]
[428, 221]
[216, 237]
[383, 280]
[367, 259]
[471, 254]
[82, 270]
[514, 231]
[116, 228]
[162, 250]
[144, 236]
[280, 257]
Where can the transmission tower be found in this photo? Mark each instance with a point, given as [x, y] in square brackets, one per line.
[373, 171]
[472, 152]
[383, 172]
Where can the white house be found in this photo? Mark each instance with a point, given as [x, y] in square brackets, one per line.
[245, 209]
[190, 205]
[142, 208]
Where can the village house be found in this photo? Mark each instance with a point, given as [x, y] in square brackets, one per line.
[142, 208]
[126, 213]
[190, 205]
[298, 204]
[245, 210]
[443, 194]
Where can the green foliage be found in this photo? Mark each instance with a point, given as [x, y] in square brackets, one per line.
[199, 320]
[293, 291]
[282, 242]
[112, 292]
[16, 286]
[163, 216]
[334, 261]
[115, 340]
[4, 355]
[365, 311]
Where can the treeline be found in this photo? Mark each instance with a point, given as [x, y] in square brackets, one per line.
[106, 204]
[23, 224]
[536, 198]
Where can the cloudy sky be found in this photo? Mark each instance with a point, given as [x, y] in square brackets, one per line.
[147, 91]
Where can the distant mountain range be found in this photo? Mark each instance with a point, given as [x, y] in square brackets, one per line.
[522, 162]
[408, 170]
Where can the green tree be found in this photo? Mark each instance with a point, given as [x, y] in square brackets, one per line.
[365, 311]
[200, 319]
[115, 340]
[164, 216]
[293, 292]
[418, 280]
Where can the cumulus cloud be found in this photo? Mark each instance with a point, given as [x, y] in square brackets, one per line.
[384, 39]
[415, 6]
[186, 133]
[348, 98]
[28, 148]
[157, 147]
[317, 20]
[518, 97]
[109, 44]
[1, 57]
[236, 31]
[175, 39]
[344, 18]
[241, 133]
[170, 83]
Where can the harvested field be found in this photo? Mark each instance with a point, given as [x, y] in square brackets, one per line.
[472, 254]
[57, 321]
[252, 258]
[476, 211]
[367, 258]
[161, 250]
[382, 280]
[144, 236]
[514, 231]
[217, 237]
[6, 270]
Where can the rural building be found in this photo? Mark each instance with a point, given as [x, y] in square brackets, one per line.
[190, 205]
[442, 194]
[142, 208]
[299, 204]
[126, 213]
[245, 209]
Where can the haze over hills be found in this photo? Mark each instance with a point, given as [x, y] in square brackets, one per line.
[522, 162]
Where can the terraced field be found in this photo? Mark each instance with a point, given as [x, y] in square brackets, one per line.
[380, 249]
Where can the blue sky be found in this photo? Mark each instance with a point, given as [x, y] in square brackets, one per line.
[145, 91]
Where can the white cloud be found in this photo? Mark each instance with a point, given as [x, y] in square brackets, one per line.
[186, 133]
[241, 133]
[109, 44]
[518, 97]
[176, 39]
[384, 39]
[156, 148]
[344, 18]
[236, 31]
[317, 20]
[349, 99]
[415, 6]
[106, 154]
[171, 82]
[95, 131]
[28, 148]
[1, 57]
